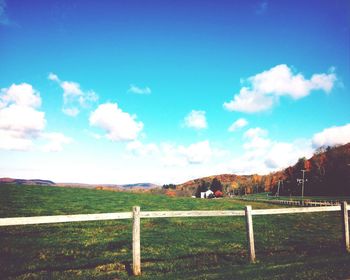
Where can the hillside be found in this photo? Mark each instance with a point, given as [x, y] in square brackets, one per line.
[327, 172]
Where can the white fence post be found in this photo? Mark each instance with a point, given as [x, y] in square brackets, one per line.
[136, 247]
[250, 233]
[345, 221]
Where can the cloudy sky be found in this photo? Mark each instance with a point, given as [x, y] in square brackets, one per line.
[165, 91]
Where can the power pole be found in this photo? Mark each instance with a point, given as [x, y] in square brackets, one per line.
[278, 188]
[303, 184]
[279, 185]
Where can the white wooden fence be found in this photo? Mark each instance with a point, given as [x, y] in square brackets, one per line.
[136, 215]
[292, 202]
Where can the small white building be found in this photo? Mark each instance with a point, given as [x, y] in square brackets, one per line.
[207, 194]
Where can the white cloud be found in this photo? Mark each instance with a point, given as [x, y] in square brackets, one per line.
[263, 154]
[196, 119]
[336, 135]
[179, 155]
[139, 90]
[197, 153]
[70, 90]
[264, 89]
[282, 154]
[20, 121]
[24, 120]
[119, 125]
[73, 96]
[53, 77]
[21, 95]
[56, 141]
[238, 124]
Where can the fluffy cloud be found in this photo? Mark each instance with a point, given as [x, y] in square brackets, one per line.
[336, 135]
[20, 121]
[22, 95]
[119, 125]
[264, 89]
[73, 96]
[196, 119]
[24, 120]
[139, 90]
[238, 124]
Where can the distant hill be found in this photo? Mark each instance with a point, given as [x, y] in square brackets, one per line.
[327, 172]
[126, 187]
[26, 181]
[138, 187]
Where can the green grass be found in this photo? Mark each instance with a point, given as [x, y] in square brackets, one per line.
[298, 246]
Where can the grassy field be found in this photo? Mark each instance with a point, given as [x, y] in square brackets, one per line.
[297, 246]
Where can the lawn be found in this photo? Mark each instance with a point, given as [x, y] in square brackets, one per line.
[296, 246]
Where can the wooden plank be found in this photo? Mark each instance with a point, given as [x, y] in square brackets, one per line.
[295, 210]
[136, 246]
[63, 219]
[184, 214]
[345, 222]
[250, 233]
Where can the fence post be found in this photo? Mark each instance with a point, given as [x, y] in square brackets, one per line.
[250, 233]
[136, 247]
[345, 220]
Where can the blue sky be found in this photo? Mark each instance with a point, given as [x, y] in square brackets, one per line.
[165, 91]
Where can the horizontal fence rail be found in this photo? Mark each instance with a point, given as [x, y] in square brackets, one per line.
[63, 219]
[136, 215]
[301, 203]
[184, 214]
[295, 210]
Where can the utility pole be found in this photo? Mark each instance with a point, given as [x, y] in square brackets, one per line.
[303, 184]
[278, 189]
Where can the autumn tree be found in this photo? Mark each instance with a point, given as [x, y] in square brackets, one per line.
[202, 187]
[216, 185]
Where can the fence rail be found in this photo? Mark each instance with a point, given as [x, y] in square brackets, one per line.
[136, 216]
[303, 203]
